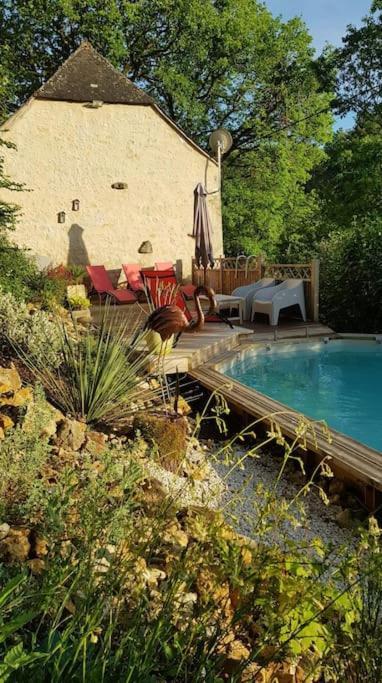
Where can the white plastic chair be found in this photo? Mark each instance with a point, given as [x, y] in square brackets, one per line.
[273, 299]
[248, 292]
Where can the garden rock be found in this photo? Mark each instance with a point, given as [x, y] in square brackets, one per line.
[54, 418]
[9, 380]
[151, 494]
[6, 422]
[4, 530]
[71, 434]
[95, 442]
[167, 433]
[15, 547]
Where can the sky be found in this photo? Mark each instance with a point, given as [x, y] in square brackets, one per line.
[326, 20]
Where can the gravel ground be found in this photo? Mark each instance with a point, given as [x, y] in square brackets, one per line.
[241, 497]
[203, 487]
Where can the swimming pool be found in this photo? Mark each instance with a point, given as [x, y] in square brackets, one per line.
[339, 381]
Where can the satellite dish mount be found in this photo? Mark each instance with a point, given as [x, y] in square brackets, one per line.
[220, 142]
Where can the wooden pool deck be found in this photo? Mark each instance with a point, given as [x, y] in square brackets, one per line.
[194, 350]
[214, 339]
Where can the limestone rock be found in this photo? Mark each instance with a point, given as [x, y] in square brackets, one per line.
[6, 422]
[54, 418]
[36, 565]
[40, 547]
[237, 653]
[9, 380]
[71, 434]
[15, 547]
[19, 398]
[4, 530]
[95, 442]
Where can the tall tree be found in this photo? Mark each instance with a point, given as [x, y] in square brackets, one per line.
[208, 63]
[359, 66]
[349, 181]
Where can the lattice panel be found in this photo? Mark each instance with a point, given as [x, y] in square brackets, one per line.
[289, 272]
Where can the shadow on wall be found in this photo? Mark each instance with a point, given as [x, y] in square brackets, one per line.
[77, 252]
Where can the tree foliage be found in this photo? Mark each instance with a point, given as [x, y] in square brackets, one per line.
[351, 277]
[349, 181]
[208, 64]
[359, 65]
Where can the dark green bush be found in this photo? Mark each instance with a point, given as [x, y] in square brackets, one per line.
[351, 277]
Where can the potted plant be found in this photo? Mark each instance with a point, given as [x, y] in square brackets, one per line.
[79, 306]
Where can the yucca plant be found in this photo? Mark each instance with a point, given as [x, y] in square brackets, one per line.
[101, 377]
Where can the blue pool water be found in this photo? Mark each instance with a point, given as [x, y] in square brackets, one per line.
[339, 382]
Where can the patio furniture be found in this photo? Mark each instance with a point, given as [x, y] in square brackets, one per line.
[163, 289]
[133, 276]
[188, 290]
[248, 293]
[102, 284]
[230, 301]
[163, 265]
[271, 300]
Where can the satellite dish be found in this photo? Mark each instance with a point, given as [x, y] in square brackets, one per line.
[220, 139]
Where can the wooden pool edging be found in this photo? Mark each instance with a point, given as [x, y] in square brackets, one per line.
[353, 460]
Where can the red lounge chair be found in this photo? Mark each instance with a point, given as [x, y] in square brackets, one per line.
[104, 287]
[163, 289]
[188, 290]
[133, 277]
[163, 265]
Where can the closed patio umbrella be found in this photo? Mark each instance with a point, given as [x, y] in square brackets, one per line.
[202, 229]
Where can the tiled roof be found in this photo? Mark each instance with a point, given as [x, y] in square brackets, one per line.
[88, 76]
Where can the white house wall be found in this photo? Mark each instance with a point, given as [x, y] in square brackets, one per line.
[68, 151]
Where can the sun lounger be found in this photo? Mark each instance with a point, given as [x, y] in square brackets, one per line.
[133, 277]
[188, 290]
[102, 284]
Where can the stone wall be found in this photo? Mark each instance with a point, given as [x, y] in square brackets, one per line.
[68, 151]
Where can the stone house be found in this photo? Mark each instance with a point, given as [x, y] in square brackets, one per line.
[106, 170]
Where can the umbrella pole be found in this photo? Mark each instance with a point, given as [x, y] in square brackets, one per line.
[204, 276]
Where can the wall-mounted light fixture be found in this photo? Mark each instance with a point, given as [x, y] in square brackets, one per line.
[61, 217]
[75, 205]
[145, 248]
[119, 186]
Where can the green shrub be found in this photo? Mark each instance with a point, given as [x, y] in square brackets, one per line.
[351, 277]
[23, 454]
[20, 276]
[100, 377]
[33, 332]
[78, 302]
[17, 271]
[128, 596]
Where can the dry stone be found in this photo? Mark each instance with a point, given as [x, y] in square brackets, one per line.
[15, 547]
[4, 530]
[71, 435]
[95, 442]
[9, 380]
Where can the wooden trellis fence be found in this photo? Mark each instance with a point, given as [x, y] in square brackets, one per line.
[229, 273]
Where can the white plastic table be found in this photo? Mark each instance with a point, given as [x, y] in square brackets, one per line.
[229, 301]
